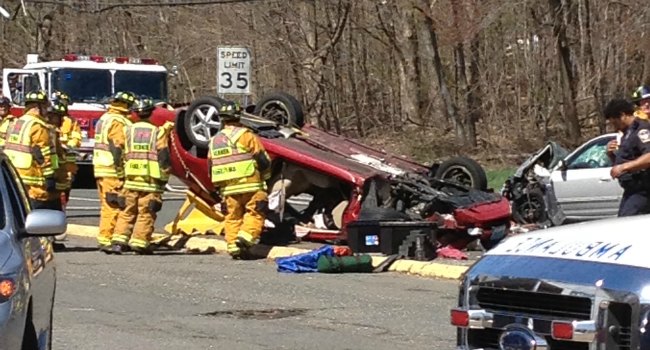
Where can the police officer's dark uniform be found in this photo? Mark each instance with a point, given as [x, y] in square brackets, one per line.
[636, 185]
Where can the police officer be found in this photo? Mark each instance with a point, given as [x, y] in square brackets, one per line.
[29, 147]
[631, 157]
[5, 118]
[147, 171]
[239, 166]
[108, 163]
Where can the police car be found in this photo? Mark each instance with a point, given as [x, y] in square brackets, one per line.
[580, 286]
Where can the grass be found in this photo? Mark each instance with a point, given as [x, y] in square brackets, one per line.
[497, 177]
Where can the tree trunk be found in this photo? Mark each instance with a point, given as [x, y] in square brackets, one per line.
[567, 76]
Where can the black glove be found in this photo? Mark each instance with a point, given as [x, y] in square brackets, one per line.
[50, 184]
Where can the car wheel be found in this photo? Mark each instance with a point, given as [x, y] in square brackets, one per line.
[529, 208]
[281, 108]
[463, 171]
[201, 120]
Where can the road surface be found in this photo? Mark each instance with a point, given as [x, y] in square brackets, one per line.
[176, 301]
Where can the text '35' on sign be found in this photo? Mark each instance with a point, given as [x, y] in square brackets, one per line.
[233, 70]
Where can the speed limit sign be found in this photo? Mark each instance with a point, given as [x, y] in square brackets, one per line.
[233, 70]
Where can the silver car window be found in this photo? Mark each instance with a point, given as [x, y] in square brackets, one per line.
[591, 157]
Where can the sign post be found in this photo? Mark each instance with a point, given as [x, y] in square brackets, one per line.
[233, 71]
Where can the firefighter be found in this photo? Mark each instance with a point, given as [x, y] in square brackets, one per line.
[55, 119]
[239, 167]
[70, 136]
[29, 147]
[5, 118]
[147, 167]
[108, 163]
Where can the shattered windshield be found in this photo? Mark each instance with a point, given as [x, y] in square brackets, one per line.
[152, 84]
[83, 85]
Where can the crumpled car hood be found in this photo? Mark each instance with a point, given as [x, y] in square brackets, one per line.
[549, 156]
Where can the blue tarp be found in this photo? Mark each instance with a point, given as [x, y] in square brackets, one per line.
[306, 262]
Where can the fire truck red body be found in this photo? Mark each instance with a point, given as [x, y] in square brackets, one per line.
[90, 81]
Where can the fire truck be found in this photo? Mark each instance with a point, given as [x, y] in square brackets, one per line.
[90, 81]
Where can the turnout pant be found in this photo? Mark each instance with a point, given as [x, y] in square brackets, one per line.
[109, 189]
[244, 218]
[135, 223]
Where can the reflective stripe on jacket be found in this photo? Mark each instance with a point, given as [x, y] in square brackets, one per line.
[142, 168]
[232, 165]
[29, 148]
[106, 145]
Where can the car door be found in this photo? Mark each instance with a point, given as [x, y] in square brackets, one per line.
[582, 184]
[38, 253]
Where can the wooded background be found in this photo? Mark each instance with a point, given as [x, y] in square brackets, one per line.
[432, 78]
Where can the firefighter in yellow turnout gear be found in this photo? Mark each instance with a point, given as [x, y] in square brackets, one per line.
[147, 171]
[70, 137]
[30, 149]
[55, 119]
[6, 118]
[108, 163]
[239, 167]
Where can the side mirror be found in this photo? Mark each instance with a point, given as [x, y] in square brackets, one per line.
[45, 222]
[562, 165]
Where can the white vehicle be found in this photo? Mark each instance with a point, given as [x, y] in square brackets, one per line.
[554, 187]
[583, 287]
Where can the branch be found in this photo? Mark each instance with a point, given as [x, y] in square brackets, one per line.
[334, 39]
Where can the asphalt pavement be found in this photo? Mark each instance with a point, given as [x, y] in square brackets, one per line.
[179, 301]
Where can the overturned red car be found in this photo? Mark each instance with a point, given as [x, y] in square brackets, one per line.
[342, 180]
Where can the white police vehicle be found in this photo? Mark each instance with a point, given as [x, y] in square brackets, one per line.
[581, 286]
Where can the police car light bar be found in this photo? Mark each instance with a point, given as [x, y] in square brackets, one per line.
[70, 57]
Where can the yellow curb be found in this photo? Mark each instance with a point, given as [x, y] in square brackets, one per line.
[438, 270]
[401, 266]
[282, 252]
[218, 245]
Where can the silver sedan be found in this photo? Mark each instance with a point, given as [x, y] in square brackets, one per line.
[27, 272]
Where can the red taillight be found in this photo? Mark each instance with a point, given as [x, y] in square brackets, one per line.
[459, 318]
[562, 330]
[7, 288]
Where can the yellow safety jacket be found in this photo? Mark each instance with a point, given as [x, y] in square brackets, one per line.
[60, 171]
[29, 148]
[233, 167]
[109, 144]
[144, 168]
[4, 127]
[70, 137]
[70, 132]
[640, 114]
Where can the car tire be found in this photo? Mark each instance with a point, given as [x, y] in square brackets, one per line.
[281, 108]
[201, 120]
[529, 208]
[464, 171]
